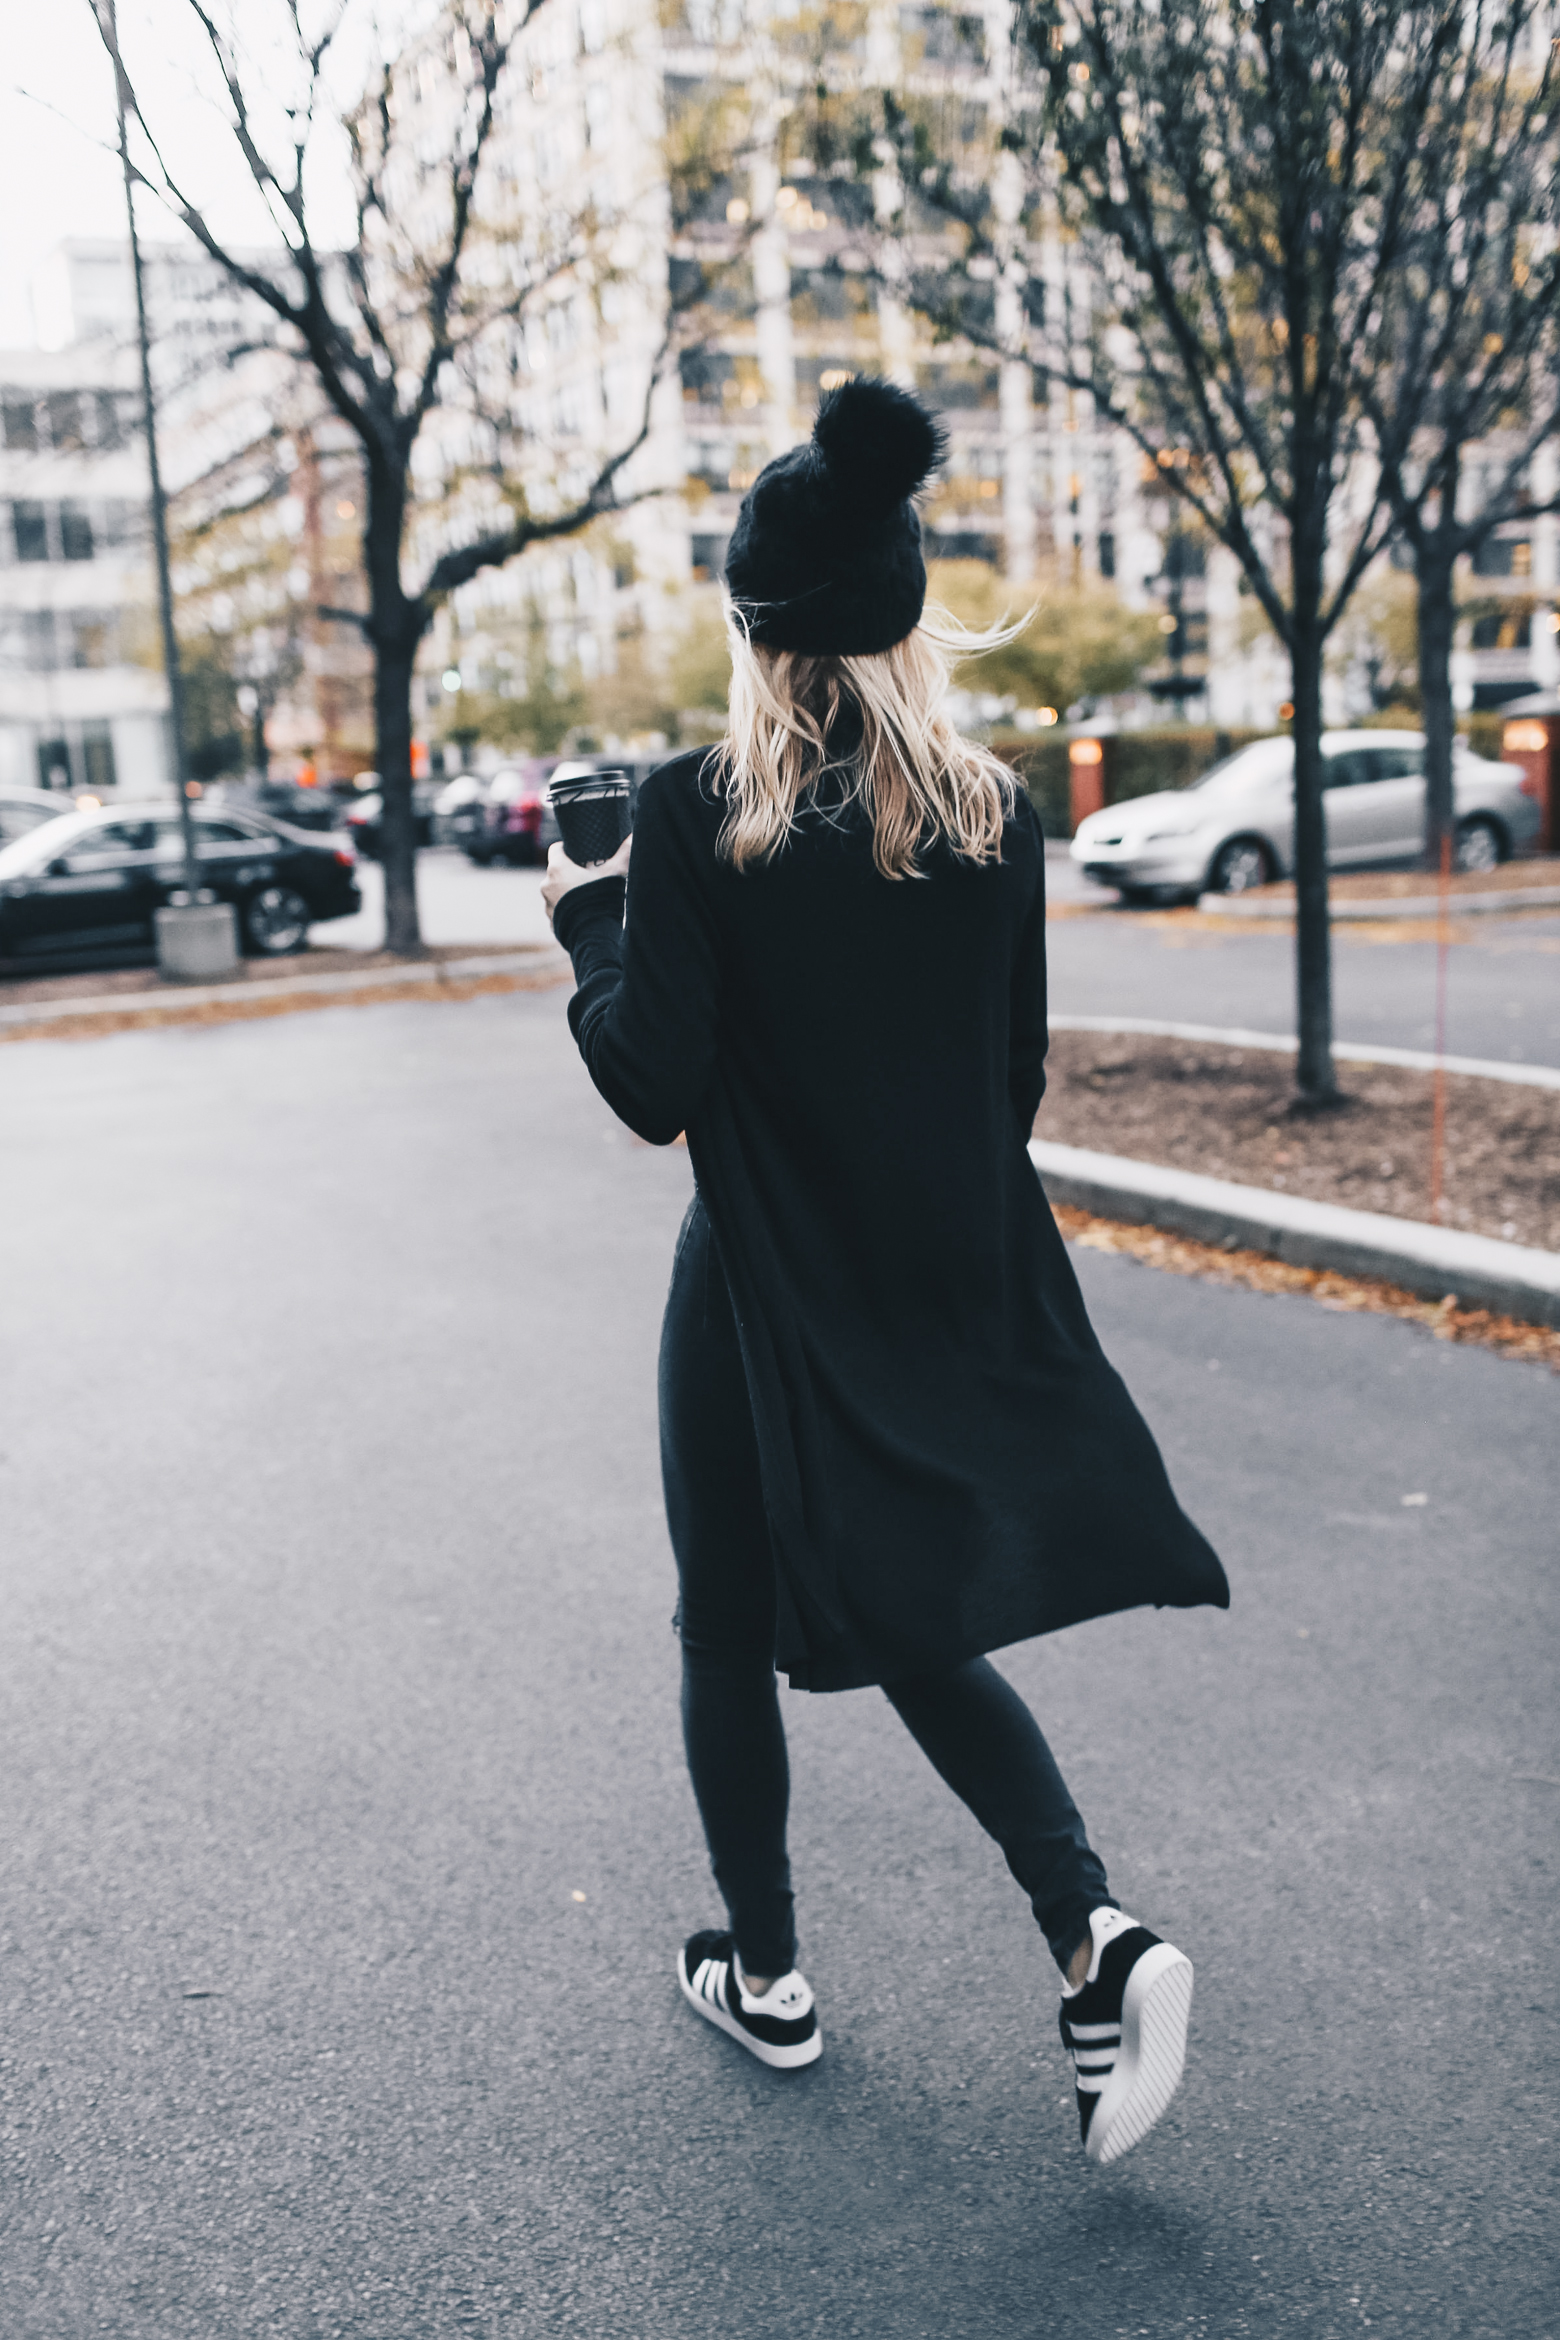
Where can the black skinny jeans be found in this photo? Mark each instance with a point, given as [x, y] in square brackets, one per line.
[970, 1723]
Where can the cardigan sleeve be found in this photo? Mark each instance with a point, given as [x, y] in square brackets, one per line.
[1028, 1036]
[647, 1010]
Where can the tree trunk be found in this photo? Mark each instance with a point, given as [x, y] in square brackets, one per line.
[1437, 621]
[397, 824]
[1313, 933]
[395, 627]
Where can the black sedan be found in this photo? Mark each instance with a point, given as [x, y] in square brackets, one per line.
[22, 809]
[89, 886]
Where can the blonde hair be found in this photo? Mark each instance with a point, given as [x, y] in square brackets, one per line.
[914, 774]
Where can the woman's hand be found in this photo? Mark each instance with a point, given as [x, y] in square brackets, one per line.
[562, 873]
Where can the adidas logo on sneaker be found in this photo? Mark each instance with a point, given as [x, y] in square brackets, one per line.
[1125, 2029]
[780, 2027]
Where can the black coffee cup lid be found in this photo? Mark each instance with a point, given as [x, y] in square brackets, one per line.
[587, 784]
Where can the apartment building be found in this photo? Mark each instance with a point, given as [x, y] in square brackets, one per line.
[788, 258]
[773, 268]
[83, 706]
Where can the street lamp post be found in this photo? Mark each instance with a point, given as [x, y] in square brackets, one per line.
[195, 937]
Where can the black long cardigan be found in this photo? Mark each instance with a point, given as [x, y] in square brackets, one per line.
[949, 1463]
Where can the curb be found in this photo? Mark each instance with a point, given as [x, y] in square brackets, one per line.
[1408, 906]
[1484, 1068]
[1510, 1279]
[181, 995]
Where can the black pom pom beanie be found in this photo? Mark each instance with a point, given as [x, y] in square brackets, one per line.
[826, 555]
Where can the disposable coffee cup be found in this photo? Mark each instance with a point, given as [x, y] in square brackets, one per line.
[593, 815]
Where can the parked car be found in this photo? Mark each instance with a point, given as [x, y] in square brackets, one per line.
[23, 809]
[362, 818]
[88, 886]
[1234, 828]
[513, 820]
[299, 808]
[459, 810]
[517, 822]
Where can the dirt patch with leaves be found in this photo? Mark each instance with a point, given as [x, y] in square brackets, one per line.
[1253, 1271]
[27, 987]
[1232, 1113]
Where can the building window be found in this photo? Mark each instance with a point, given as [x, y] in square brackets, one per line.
[30, 525]
[709, 558]
[53, 764]
[66, 435]
[97, 753]
[1503, 630]
[962, 544]
[40, 653]
[75, 532]
[110, 422]
[1107, 554]
[1504, 556]
[20, 418]
[94, 637]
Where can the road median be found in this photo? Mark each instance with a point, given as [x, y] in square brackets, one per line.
[1510, 1279]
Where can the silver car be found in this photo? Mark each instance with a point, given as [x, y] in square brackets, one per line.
[1235, 827]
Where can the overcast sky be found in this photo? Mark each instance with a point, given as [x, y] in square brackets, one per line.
[59, 175]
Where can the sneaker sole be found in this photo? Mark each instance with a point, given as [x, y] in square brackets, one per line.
[1154, 2011]
[779, 2059]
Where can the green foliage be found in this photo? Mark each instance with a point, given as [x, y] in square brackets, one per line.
[676, 696]
[1081, 642]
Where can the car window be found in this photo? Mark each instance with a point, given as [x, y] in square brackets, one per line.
[113, 841]
[221, 833]
[1345, 768]
[1395, 763]
[1264, 759]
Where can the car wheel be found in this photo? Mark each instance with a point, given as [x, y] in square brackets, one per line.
[1238, 866]
[1480, 846]
[276, 920]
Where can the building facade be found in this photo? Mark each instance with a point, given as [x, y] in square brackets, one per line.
[83, 706]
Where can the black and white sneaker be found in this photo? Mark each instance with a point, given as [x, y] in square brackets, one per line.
[781, 2028]
[1125, 2029]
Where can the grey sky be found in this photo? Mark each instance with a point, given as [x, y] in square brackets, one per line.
[57, 118]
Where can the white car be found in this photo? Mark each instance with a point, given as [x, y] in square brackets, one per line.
[1235, 827]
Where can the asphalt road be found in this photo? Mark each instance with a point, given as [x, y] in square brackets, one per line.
[1502, 998]
[1503, 993]
[347, 1845]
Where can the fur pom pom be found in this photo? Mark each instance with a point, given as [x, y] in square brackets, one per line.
[878, 443]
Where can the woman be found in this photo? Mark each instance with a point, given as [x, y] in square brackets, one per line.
[890, 1441]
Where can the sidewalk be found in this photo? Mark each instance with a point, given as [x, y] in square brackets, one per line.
[1354, 895]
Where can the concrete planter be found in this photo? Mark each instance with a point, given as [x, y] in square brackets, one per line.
[196, 942]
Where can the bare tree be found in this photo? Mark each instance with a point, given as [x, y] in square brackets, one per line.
[1231, 185]
[424, 312]
[1469, 341]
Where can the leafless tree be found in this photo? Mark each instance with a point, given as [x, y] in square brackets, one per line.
[1240, 179]
[423, 312]
[1470, 337]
